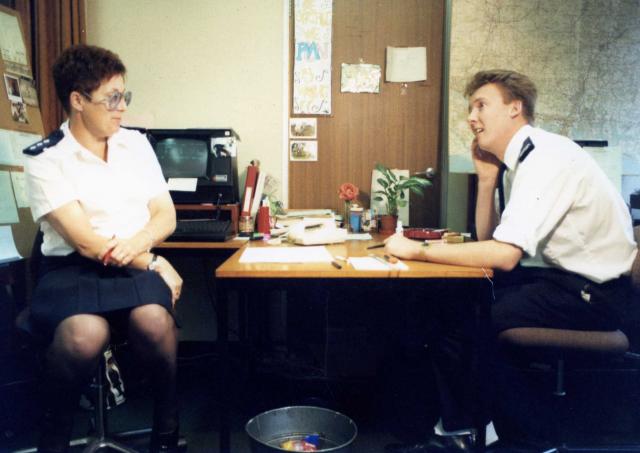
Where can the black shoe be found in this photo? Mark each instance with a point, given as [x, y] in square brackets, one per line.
[55, 432]
[164, 442]
[437, 444]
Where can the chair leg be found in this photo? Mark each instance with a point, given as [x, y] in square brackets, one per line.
[560, 391]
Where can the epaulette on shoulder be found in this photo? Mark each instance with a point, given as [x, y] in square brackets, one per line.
[48, 142]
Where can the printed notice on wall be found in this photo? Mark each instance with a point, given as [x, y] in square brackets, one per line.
[12, 47]
[312, 57]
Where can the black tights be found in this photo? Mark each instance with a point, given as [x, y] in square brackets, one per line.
[80, 340]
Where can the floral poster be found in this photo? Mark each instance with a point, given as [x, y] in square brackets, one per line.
[360, 78]
[312, 57]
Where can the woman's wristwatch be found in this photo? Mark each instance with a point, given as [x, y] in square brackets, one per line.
[153, 263]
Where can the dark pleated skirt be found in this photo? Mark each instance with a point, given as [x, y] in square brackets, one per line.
[71, 285]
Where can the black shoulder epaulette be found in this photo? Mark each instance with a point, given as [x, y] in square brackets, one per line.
[527, 147]
[48, 142]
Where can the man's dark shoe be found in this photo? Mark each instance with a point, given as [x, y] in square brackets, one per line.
[437, 444]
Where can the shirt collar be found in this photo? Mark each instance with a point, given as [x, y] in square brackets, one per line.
[116, 140]
[515, 145]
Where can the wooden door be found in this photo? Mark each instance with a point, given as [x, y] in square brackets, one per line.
[400, 131]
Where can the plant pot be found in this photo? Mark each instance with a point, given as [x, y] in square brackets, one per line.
[388, 224]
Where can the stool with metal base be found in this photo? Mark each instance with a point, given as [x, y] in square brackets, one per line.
[563, 345]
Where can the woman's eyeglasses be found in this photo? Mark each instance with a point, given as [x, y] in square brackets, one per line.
[113, 100]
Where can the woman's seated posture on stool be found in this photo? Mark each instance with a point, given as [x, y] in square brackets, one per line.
[102, 203]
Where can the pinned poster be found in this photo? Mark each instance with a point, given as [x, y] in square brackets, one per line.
[312, 60]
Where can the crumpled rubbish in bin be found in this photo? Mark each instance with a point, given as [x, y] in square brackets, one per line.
[309, 443]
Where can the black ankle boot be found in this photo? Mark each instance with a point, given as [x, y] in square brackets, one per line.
[60, 400]
[55, 431]
[162, 442]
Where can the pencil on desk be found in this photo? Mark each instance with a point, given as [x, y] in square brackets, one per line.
[390, 259]
[336, 264]
[376, 246]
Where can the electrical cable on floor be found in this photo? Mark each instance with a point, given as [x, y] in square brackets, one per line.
[493, 294]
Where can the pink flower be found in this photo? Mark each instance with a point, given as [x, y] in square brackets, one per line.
[348, 192]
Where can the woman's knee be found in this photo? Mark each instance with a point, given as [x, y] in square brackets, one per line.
[153, 322]
[82, 337]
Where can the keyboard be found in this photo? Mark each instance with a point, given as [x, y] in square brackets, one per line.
[202, 230]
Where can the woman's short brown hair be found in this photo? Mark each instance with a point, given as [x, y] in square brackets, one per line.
[513, 85]
[83, 68]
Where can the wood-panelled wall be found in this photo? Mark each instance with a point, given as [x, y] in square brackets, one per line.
[400, 131]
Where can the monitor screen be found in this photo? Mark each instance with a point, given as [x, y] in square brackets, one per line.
[182, 157]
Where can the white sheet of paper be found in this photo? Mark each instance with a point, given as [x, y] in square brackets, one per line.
[183, 184]
[359, 237]
[314, 254]
[8, 251]
[6, 151]
[20, 141]
[8, 209]
[20, 189]
[369, 263]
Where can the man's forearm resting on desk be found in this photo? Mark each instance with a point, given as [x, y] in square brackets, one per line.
[491, 254]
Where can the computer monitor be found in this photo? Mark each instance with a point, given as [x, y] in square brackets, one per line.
[206, 154]
[183, 157]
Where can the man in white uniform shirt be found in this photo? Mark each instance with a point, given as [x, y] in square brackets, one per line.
[547, 220]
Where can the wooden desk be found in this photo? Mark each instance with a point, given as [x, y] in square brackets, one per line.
[257, 278]
[233, 269]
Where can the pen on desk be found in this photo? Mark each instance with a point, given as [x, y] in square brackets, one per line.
[336, 264]
[107, 256]
[390, 259]
[381, 259]
[376, 246]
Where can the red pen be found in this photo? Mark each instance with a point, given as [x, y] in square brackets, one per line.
[107, 256]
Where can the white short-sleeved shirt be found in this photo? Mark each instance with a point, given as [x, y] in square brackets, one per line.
[114, 194]
[562, 211]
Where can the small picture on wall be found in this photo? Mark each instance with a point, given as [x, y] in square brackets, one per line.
[19, 112]
[303, 150]
[28, 91]
[303, 128]
[13, 88]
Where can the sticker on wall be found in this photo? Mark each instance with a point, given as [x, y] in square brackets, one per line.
[360, 78]
[303, 128]
[303, 150]
[312, 57]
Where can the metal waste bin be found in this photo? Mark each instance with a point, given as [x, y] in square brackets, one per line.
[269, 430]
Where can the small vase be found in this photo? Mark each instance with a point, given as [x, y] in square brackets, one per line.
[345, 215]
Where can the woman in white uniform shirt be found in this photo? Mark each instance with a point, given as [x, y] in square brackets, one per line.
[102, 204]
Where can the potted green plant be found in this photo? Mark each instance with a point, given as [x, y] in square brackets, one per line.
[393, 193]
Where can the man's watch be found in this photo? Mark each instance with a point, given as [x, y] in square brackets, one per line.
[153, 263]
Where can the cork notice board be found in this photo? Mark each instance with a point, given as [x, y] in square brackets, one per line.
[20, 121]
